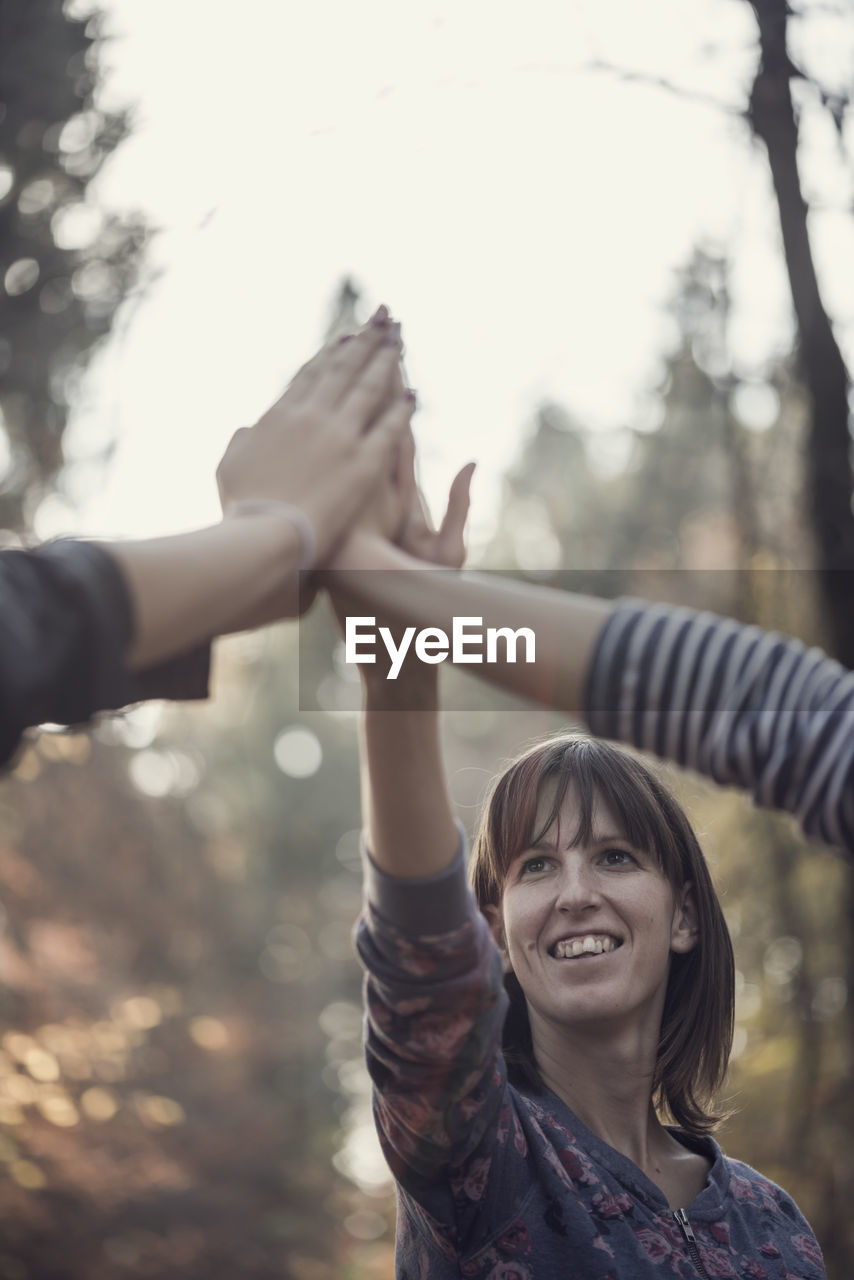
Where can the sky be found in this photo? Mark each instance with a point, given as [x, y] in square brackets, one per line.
[512, 181]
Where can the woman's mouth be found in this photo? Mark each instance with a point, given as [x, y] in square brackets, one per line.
[589, 944]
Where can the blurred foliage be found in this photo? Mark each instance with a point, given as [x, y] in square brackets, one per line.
[181, 1084]
[65, 264]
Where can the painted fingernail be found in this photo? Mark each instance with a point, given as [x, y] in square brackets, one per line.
[393, 337]
[380, 317]
[410, 396]
[345, 337]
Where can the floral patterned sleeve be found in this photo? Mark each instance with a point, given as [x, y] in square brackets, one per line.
[435, 1009]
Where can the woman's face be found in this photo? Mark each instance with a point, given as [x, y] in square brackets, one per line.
[589, 929]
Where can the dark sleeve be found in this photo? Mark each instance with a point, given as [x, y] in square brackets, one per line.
[748, 708]
[65, 625]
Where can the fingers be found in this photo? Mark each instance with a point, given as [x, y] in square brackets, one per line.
[304, 379]
[331, 357]
[390, 435]
[365, 361]
[404, 472]
[452, 528]
[459, 501]
[368, 389]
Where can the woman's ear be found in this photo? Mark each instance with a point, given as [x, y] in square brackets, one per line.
[492, 912]
[685, 933]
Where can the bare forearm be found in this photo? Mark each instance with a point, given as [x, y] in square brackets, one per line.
[190, 587]
[405, 804]
[389, 583]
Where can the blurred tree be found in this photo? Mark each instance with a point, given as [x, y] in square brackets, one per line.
[774, 119]
[181, 1086]
[703, 492]
[343, 317]
[66, 265]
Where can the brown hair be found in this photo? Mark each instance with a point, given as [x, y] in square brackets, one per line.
[697, 1023]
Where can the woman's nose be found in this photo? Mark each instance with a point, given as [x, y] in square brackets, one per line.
[578, 888]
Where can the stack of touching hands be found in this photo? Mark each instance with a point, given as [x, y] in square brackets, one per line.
[324, 481]
[319, 493]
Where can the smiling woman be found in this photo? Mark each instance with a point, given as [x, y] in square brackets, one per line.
[616, 859]
[530, 1042]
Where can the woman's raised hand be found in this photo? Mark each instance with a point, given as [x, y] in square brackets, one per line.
[397, 512]
[445, 545]
[325, 445]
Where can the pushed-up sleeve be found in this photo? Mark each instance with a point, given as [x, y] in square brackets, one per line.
[435, 1010]
[65, 625]
[749, 708]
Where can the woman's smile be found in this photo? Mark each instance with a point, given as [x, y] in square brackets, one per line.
[588, 928]
[582, 946]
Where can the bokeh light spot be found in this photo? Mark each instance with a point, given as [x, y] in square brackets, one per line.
[21, 276]
[98, 1104]
[27, 1175]
[208, 1033]
[757, 405]
[154, 1110]
[21, 1089]
[80, 131]
[152, 772]
[36, 196]
[297, 752]
[141, 1012]
[59, 1110]
[76, 226]
[365, 1224]
[42, 1065]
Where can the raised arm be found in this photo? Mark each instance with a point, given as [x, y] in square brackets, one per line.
[407, 814]
[411, 590]
[747, 708]
[86, 627]
[406, 810]
[434, 988]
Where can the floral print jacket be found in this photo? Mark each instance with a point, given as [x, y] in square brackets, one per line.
[498, 1184]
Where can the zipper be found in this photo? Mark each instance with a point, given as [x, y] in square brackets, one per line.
[691, 1241]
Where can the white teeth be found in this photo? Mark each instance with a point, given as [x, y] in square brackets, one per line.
[592, 944]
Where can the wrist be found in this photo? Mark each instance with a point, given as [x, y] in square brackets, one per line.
[416, 689]
[302, 526]
[269, 544]
[361, 549]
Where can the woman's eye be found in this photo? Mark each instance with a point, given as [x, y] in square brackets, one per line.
[532, 865]
[617, 858]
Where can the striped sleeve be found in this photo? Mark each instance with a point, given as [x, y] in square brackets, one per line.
[746, 707]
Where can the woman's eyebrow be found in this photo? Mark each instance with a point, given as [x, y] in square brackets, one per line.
[608, 837]
[548, 846]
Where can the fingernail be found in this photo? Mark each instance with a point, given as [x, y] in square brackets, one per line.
[345, 337]
[393, 337]
[410, 396]
[380, 317]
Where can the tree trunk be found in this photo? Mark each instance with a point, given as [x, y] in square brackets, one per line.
[829, 477]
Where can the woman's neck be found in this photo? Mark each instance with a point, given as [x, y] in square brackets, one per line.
[606, 1080]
